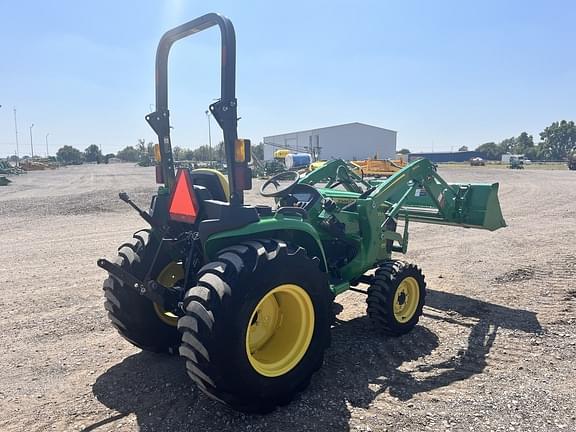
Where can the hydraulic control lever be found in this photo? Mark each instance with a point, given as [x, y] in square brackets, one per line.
[143, 214]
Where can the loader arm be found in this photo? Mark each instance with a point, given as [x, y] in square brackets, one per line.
[418, 193]
[368, 220]
[332, 173]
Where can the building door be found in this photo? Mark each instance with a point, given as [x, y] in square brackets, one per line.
[315, 151]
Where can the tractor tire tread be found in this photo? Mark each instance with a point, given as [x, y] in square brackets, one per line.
[201, 313]
[205, 305]
[382, 290]
[122, 303]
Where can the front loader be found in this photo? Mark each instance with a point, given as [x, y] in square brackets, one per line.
[243, 292]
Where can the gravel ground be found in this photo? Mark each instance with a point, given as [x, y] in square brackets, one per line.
[494, 351]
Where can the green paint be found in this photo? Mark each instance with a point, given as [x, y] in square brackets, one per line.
[358, 233]
[289, 228]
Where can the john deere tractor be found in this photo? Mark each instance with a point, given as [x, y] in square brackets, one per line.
[244, 292]
[572, 159]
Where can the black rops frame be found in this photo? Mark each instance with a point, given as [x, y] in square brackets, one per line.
[224, 110]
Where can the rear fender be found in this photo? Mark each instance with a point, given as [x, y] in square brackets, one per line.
[291, 229]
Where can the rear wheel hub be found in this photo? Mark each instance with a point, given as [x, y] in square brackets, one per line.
[169, 277]
[280, 330]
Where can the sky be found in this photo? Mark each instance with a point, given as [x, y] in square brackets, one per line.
[443, 74]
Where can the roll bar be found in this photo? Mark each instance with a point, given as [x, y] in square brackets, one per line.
[224, 110]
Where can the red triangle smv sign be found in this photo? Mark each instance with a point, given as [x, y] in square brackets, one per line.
[183, 206]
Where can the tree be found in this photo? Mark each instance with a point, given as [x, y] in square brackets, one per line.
[188, 154]
[523, 143]
[182, 154]
[69, 155]
[507, 145]
[92, 153]
[177, 153]
[492, 150]
[145, 153]
[205, 153]
[202, 153]
[128, 154]
[403, 151]
[220, 153]
[557, 140]
[258, 151]
[463, 148]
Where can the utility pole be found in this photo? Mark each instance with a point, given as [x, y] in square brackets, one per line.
[16, 132]
[47, 145]
[31, 142]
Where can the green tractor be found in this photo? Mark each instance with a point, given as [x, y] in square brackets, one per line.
[572, 159]
[516, 162]
[245, 292]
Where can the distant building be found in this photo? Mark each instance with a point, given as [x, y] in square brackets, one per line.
[438, 157]
[347, 141]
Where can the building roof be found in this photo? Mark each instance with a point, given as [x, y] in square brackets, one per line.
[330, 127]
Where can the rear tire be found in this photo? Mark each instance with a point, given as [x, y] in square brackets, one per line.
[256, 325]
[396, 297]
[134, 316]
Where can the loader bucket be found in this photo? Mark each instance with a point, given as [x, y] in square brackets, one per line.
[481, 208]
[467, 205]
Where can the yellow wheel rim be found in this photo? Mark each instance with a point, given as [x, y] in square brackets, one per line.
[406, 300]
[280, 330]
[168, 277]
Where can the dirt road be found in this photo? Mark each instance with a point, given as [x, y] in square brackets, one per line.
[496, 349]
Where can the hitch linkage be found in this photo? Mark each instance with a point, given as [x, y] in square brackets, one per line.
[169, 298]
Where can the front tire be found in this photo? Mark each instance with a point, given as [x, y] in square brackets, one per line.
[256, 325]
[396, 297]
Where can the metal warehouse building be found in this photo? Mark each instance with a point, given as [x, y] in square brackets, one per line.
[462, 156]
[347, 141]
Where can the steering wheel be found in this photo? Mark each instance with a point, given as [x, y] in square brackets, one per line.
[342, 176]
[292, 176]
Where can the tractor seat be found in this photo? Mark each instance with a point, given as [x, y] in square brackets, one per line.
[214, 181]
